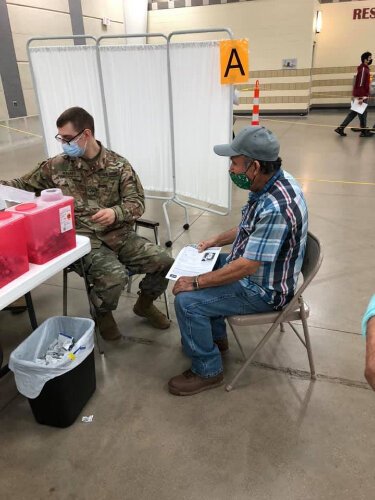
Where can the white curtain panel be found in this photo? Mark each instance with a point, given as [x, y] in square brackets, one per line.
[202, 118]
[135, 82]
[135, 20]
[66, 77]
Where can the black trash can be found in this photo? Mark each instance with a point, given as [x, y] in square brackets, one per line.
[63, 398]
[57, 388]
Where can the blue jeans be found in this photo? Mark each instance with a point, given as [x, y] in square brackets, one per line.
[201, 318]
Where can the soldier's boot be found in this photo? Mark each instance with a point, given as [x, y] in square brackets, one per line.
[145, 308]
[107, 326]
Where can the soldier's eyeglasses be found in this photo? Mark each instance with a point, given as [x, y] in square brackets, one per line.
[66, 141]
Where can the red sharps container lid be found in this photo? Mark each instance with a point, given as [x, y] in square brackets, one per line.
[25, 206]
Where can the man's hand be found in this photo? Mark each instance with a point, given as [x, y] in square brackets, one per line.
[183, 284]
[203, 245]
[104, 216]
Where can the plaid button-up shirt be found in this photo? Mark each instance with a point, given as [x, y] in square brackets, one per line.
[273, 231]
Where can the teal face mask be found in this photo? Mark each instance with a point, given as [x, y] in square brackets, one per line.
[241, 180]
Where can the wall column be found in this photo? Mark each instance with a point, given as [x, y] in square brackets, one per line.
[135, 19]
[9, 72]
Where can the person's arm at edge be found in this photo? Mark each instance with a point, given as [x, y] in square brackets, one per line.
[368, 329]
[370, 353]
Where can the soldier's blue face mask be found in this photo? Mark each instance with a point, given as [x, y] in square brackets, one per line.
[71, 147]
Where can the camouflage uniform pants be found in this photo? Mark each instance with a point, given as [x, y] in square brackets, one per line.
[108, 271]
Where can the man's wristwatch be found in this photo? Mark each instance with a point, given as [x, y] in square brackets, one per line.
[196, 283]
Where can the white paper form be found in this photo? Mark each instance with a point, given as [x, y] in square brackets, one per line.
[189, 262]
[358, 108]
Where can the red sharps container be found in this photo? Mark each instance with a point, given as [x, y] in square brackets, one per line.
[13, 249]
[49, 222]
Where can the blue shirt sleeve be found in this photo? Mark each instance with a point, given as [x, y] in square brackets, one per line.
[266, 240]
[370, 312]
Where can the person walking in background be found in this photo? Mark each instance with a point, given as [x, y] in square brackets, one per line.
[361, 92]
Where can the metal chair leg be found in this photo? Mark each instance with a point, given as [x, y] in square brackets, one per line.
[92, 308]
[65, 292]
[267, 336]
[307, 341]
[238, 341]
[166, 304]
[130, 279]
[129, 286]
[31, 310]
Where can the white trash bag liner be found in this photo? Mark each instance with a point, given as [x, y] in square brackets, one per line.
[30, 374]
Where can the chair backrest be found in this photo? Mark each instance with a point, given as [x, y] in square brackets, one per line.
[311, 263]
[312, 260]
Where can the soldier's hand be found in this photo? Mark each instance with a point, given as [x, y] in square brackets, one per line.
[104, 216]
[203, 245]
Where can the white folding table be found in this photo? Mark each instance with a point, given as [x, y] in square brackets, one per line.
[38, 274]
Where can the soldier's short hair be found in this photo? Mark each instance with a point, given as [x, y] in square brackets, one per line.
[79, 117]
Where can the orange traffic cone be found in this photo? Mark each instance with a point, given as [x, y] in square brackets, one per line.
[255, 117]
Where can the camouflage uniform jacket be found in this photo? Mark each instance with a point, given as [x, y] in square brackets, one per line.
[107, 181]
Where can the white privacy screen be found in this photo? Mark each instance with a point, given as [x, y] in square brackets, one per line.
[136, 93]
[202, 118]
[66, 77]
[135, 80]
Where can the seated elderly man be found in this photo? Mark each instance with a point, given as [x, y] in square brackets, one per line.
[108, 199]
[260, 273]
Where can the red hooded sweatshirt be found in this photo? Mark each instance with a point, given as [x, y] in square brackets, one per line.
[362, 82]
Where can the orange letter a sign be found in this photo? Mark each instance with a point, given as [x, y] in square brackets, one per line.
[234, 59]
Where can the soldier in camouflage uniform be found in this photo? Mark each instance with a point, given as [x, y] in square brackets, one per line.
[108, 198]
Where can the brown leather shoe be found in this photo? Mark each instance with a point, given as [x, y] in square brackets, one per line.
[107, 326]
[189, 383]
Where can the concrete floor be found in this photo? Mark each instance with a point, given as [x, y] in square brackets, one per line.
[277, 435]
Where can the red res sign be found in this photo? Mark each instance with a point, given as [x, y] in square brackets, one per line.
[365, 13]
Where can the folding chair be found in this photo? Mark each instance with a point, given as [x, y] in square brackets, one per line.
[148, 224]
[88, 287]
[296, 309]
